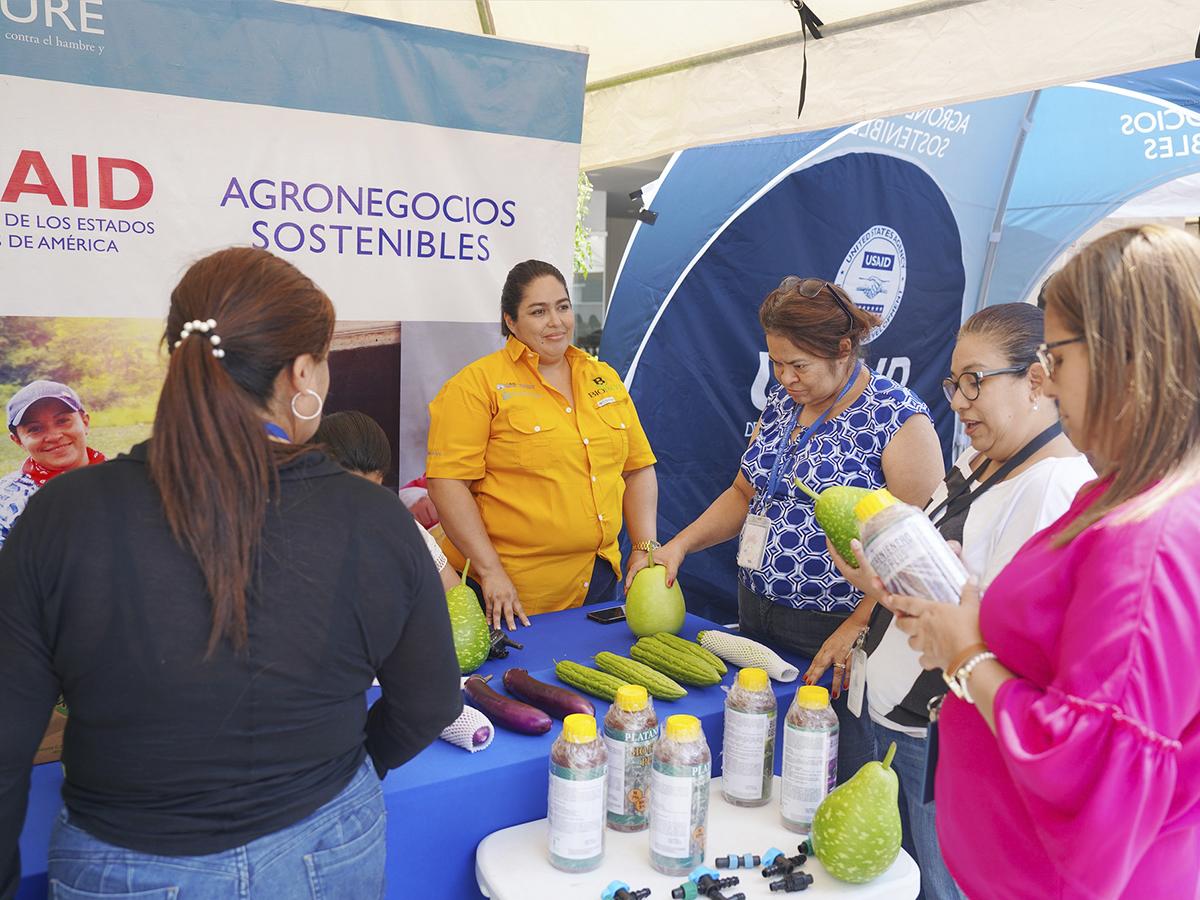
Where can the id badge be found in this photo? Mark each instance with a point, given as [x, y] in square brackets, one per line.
[752, 545]
[858, 681]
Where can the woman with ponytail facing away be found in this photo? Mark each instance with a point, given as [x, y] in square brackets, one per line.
[213, 607]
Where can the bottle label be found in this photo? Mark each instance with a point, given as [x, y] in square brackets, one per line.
[630, 754]
[748, 753]
[809, 771]
[576, 812]
[912, 559]
[679, 809]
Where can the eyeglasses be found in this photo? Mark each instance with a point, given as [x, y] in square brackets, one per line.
[1044, 357]
[969, 383]
[810, 288]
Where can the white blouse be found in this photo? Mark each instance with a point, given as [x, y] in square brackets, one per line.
[997, 526]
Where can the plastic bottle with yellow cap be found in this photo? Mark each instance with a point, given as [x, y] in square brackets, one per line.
[630, 730]
[578, 772]
[810, 750]
[679, 784]
[748, 746]
[905, 549]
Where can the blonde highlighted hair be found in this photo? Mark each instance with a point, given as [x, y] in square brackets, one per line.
[1134, 296]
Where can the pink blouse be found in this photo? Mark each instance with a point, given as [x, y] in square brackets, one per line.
[1091, 785]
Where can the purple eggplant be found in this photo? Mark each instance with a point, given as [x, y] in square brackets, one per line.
[557, 701]
[512, 714]
[481, 736]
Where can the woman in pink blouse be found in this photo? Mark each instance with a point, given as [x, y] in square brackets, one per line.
[1070, 758]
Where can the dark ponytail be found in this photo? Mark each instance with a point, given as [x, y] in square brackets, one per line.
[210, 457]
[519, 278]
[355, 441]
[1015, 328]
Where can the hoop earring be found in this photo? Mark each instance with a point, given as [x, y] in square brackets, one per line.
[300, 415]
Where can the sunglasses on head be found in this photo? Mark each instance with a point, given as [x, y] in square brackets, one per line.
[810, 288]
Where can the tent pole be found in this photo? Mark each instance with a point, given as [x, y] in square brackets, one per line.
[487, 22]
[989, 261]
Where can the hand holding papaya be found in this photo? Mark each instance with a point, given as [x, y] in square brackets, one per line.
[861, 576]
[636, 562]
[670, 556]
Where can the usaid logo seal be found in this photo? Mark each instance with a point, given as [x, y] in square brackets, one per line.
[873, 274]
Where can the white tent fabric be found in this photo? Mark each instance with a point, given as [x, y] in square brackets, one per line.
[669, 74]
[1178, 199]
[621, 36]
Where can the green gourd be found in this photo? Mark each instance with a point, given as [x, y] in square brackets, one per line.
[651, 606]
[856, 829]
[678, 643]
[472, 638]
[834, 512]
[634, 672]
[598, 684]
[683, 667]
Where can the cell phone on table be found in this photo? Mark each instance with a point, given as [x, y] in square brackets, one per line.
[608, 616]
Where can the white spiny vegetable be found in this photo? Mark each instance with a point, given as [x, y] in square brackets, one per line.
[742, 651]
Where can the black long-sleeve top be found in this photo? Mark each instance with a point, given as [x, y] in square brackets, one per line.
[170, 753]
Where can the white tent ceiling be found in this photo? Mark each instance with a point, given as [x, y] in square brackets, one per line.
[669, 74]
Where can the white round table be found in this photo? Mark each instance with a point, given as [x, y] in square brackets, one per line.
[512, 864]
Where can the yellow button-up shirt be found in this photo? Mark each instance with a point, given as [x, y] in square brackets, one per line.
[546, 473]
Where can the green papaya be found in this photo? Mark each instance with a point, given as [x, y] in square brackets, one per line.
[856, 829]
[472, 638]
[834, 512]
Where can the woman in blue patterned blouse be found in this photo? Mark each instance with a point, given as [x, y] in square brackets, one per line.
[830, 420]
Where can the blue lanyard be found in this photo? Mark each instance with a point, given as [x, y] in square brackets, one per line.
[275, 431]
[784, 451]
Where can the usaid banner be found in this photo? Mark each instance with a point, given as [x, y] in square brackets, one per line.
[896, 211]
[404, 168]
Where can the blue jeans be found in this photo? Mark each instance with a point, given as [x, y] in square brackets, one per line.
[804, 631]
[337, 853]
[920, 839]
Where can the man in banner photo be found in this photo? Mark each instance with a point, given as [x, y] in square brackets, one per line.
[47, 420]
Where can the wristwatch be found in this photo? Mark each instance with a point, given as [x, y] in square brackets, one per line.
[957, 680]
[646, 545]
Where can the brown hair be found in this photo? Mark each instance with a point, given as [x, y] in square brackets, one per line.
[1015, 328]
[520, 277]
[355, 441]
[816, 316]
[210, 457]
[1134, 297]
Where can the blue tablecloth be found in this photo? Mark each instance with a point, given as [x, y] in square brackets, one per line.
[442, 803]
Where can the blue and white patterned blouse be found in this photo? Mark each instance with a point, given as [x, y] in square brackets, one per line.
[846, 450]
[15, 490]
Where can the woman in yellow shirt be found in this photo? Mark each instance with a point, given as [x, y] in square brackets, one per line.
[535, 452]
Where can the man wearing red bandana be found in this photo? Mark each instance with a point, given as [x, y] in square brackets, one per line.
[48, 421]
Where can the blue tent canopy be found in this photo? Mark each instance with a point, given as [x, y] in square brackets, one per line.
[922, 218]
